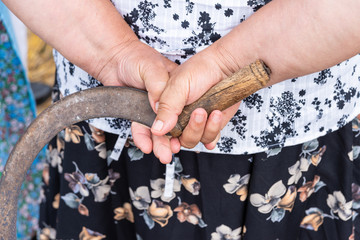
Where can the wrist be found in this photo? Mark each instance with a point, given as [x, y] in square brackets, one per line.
[232, 57]
[106, 66]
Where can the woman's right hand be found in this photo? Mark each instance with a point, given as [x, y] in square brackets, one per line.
[135, 64]
[94, 36]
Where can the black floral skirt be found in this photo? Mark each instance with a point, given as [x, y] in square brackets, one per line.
[308, 191]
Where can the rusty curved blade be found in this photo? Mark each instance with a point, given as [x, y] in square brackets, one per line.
[119, 102]
[109, 102]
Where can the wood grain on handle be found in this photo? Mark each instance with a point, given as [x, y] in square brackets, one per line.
[226, 93]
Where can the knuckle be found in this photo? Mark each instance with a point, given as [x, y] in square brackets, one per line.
[188, 144]
[207, 140]
[156, 88]
[209, 136]
[165, 107]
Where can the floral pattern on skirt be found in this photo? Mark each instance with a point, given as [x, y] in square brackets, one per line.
[308, 191]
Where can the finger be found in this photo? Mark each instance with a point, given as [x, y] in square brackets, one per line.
[175, 145]
[142, 137]
[228, 114]
[155, 79]
[212, 145]
[212, 128]
[194, 130]
[187, 83]
[162, 149]
[171, 103]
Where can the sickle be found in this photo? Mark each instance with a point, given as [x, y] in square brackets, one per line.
[118, 102]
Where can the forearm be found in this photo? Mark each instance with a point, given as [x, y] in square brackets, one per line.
[88, 33]
[294, 38]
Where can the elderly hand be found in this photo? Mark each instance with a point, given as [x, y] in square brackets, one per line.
[137, 65]
[187, 83]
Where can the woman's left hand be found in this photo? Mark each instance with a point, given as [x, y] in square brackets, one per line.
[187, 83]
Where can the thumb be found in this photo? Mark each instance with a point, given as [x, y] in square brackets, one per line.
[171, 104]
[155, 80]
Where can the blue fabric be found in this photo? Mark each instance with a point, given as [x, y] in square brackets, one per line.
[17, 110]
[6, 19]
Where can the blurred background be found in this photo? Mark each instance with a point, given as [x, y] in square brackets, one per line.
[27, 73]
[41, 69]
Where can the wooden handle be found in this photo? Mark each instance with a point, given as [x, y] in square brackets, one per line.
[226, 93]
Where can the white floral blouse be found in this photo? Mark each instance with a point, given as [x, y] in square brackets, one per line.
[285, 114]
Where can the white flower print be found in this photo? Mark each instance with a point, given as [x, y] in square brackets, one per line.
[309, 147]
[101, 148]
[158, 187]
[100, 190]
[296, 170]
[351, 155]
[134, 153]
[237, 184]
[266, 203]
[338, 204]
[223, 232]
[48, 233]
[140, 198]
[354, 153]
[54, 157]
[77, 181]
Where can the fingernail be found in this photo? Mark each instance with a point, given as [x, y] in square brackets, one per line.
[199, 118]
[158, 125]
